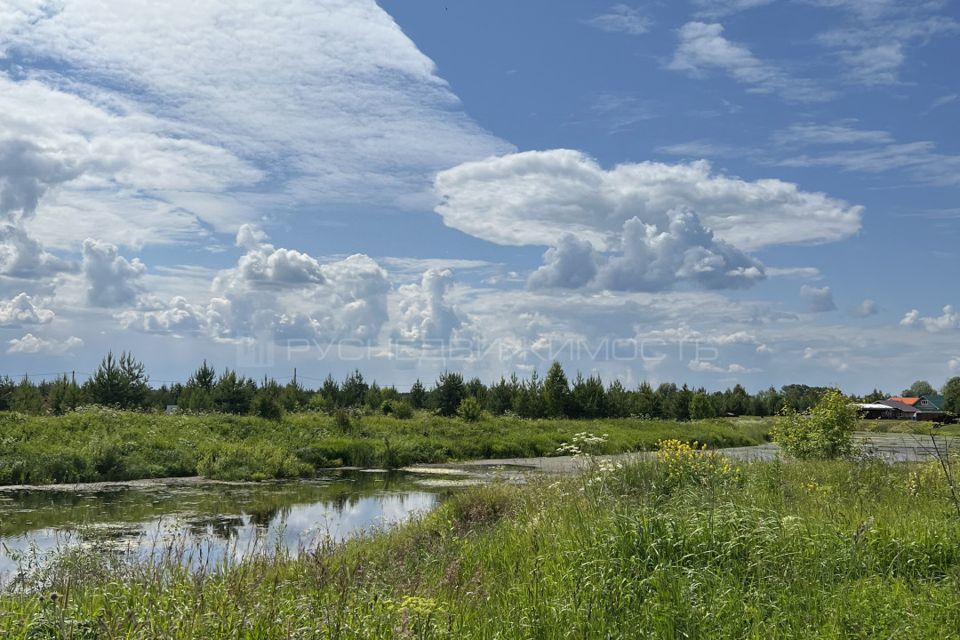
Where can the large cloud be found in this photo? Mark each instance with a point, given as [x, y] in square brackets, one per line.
[208, 110]
[112, 280]
[21, 310]
[537, 197]
[281, 293]
[425, 316]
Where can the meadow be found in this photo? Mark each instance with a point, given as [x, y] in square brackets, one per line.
[95, 444]
[686, 546]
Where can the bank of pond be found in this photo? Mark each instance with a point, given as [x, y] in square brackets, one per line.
[94, 445]
[686, 545]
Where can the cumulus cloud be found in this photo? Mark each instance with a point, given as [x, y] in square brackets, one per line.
[425, 316]
[656, 258]
[571, 264]
[32, 344]
[279, 292]
[865, 309]
[817, 299]
[21, 310]
[112, 280]
[27, 172]
[178, 317]
[265, 264]
[621, 18]
[705, 366]
[703, 47]
[949, 320]
[537, 197]
[22, 256]
[954, 364]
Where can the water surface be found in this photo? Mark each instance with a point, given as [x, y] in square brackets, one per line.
[207, 523]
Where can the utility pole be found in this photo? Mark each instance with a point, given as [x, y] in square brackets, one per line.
[73, 378]
[294, 376]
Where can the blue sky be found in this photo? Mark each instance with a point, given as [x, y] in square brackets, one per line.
[754, 191]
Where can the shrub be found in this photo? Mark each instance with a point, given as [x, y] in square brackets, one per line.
[267, 408]
[470, 409]
[402, 410]
[823, 432]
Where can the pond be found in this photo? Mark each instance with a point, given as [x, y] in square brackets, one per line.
[206, 523]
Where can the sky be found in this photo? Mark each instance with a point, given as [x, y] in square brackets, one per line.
[708, 192]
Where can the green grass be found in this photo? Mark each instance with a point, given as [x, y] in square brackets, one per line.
[98, 445]
[825, 550]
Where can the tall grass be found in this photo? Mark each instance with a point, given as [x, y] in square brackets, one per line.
[763, 550]
[98, 444]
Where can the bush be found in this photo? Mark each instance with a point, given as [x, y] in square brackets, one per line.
[470, 409]
[824, 432]
[267, 408]
[402, 410]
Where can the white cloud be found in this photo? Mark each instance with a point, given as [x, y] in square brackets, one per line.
[919, 159]
[865, 309]
[655, 258]
[112, 280]
[267, 265]
[720, 8]
[872, 44]
[703, 46]
[949, 320]
[425, 316]
[817, 299]
[32, 344]
[829, 134]
[22, 256]
[537, 197]
[705, 366]
[621, 18]
[281, 293]
[21, 310]
[571, 264]
[954, 364]
[195, 110]
[176, 317]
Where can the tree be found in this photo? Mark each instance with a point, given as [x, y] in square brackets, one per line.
[26, 398]
[825, 431]
[330, 391]
[448, 393]
[418, 395]
[701, 407]
[556, 392]
[353, 392]
[648, 403]
[619, 401]
[918, 389]
[234, 394]
[951, 395]
[589, 397]
[197, 394]
[470, 409]
[500, 397]
[119, 382]
[64, 396]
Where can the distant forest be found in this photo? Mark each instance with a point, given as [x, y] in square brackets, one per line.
[122, 382]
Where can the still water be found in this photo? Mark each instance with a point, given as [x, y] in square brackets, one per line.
[210, 522]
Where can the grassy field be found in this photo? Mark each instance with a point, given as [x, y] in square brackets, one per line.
[687, 547]
[97, 445]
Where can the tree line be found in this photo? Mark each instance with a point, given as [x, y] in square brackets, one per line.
[121, 382]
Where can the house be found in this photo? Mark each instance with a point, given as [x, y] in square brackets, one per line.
[877, 411]
[925, 408]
